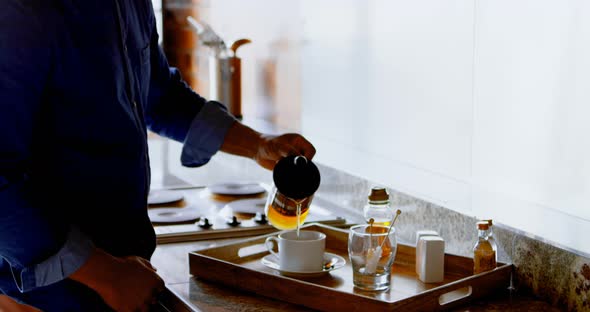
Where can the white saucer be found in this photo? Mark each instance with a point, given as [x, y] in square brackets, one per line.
[236, 188]
[173, 215]
[270, 261]
[157, 197]
[252, 205]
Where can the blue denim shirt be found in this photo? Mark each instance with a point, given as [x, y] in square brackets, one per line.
[80, 84]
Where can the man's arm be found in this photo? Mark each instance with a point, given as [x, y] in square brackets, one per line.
[266, 150]
[172, 105]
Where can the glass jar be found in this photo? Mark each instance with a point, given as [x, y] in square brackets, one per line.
[378, 207]
[286, 213]
[484, 255]
[295, 181]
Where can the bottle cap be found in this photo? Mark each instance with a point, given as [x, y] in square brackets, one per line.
[378, 194]
[296, 177]
[483, 225]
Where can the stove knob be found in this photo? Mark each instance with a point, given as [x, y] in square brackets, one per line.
[260, 218]
[234, 221]
[204, 223]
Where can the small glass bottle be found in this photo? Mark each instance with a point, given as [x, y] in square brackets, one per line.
[378, 207]
[484, 255]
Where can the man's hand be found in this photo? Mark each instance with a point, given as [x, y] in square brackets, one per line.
[9, 304]
[273, 148]
[125, 284]
[266, 150]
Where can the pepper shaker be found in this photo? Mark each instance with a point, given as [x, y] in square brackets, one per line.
[430, 254]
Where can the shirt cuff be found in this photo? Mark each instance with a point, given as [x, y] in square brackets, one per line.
[66, 261]
[206, 134]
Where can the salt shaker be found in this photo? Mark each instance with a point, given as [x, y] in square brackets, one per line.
[425, 233]
[431, 255]
[420, 234]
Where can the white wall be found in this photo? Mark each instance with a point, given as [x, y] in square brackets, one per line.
[480, 106]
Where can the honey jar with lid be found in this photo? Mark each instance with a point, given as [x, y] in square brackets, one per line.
[378, 206]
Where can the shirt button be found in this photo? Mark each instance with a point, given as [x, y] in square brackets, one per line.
[134, 104]
[125, 48]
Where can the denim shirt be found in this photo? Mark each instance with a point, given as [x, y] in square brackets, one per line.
[80, 84]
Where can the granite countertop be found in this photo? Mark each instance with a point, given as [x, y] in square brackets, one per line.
[505, 302]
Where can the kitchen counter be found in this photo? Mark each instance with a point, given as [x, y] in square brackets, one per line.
[171, 260]
[191, 294]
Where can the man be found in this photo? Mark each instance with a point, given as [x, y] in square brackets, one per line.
[80, 82]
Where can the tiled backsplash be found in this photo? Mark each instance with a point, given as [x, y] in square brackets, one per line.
[551, 273]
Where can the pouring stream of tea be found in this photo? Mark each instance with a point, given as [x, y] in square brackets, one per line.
[298, 202]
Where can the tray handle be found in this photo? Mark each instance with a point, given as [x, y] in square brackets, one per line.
[455, 297]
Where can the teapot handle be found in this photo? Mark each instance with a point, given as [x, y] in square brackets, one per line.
[297, 162]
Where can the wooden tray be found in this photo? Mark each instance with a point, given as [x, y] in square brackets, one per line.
[239, 265]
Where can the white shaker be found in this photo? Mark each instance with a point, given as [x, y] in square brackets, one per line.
[419, 234]
[430, 256]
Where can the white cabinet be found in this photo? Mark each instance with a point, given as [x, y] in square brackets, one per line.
[387, 92]
[531, 152]
[479, 106]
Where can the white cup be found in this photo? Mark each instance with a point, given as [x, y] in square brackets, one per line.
[303, 253]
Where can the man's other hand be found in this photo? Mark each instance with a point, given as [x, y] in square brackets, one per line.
[125, 284]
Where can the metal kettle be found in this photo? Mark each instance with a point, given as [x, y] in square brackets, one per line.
[225, 68]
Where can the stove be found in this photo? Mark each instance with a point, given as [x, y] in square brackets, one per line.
[222, 222]
[205, 229]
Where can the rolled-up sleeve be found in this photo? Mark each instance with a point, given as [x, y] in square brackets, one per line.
[206, 134]
[59, 266]
[39, 249]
